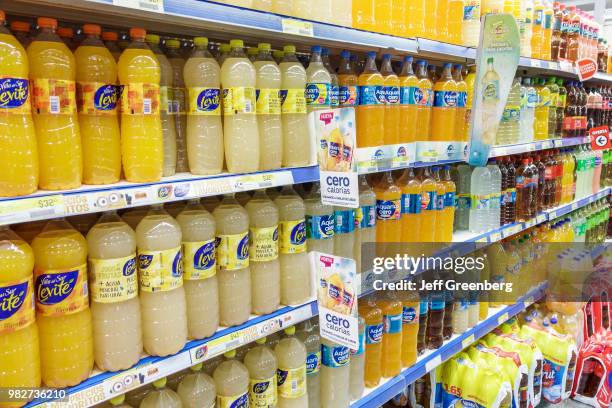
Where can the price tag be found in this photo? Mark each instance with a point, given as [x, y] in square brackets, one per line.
[503, 318]
[547, 144]
[467, 341]
[34, 208]
[574, 206]
[552, 215]
[528, 302]
[483, 239]
[262, 180]
[433, 363]
[298, 27]
[496, 236]
[499, 151]
[147, 5]
[536, 63]
[552, 65]
[530, 147]
[541, 218]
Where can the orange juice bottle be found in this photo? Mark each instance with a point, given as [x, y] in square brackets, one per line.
[363, 14]
[408, 107]
[18, 151]
[461, 118]
[431, 19]
[391, 90]
[445, 205]
[347, 82]
[97, 99]
[142, 151]
[388, 210]
[371, 109]
[410, 326]
[410, 187]
[444, 113]
[429, 189]
[415, 18]
[422, 95]
[443, 17]
[373, 338]
[52, 73]
[391, 360]
[62, 304]
[440, 192]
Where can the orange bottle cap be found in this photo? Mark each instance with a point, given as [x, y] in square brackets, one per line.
[22, 26]
[47, 22]
[65, 32]
[136, 32]
[2, 15]
[92, 29]
[110, 36]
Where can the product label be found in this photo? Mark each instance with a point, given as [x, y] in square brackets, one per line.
[15, 95]
[318, 94]
[405, 92]
[160, 270]
[392, 95]
[538, 17]
[532, 99]
[199, 259]
[428, 200]
[440, 202]
[345, 221]
[463, 202]
[362, 343]
[365, 216]
[461, 99]
[291, 382]
[113, 280]
[449, 199]
[393, 323]
[371, 95]
[437, 301]
[411, 203]
[54, 96]
[388, 209]
[445, 99]
[480, 202]
[16, 305]
[293, 101]
[547, 21]
[293, 236]
[166, 104]
[374, 333]
[204, 101]
[263, 244]
[233, 251]
[268, 101]
[471, 10]
[61, 292]
[409, 315]
[334, 96]
[423, 306]
[552, 380]
[233, 401]
[140, 98]
[313, 363]
[490, 90]
[511, 113]
[423, 97]
[320, 226]
[348, 95]
[97, 98]
[239, 100]
[262, 392]
[334, 356]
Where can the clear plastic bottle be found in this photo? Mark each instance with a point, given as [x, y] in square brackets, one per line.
[177, 96]
[344, 235]
[197, 389]
[161, 397]
[232, 382]
[494, 195]
[291, 356]
[308, 333]
[365, 222]
[527, 32]
[320, 222]
[528, 114]
[480, 188]
[334, 89]
[318, 87]
[335, 373]
[508, 131]
[356, 385]
[460, 313]
[262, 365]
[464, 199]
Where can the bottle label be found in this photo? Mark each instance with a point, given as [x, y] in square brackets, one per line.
[371, 95]
[15, 95]
[320, 226]
[374, 333]
[564, 26]
[437, 301]
[440, 201]
[471, 10]
[239, 100]
[428, 200]
[409, 315]
[262, 392]
[177, 100]
[16, 305]
[160, 270]
[334, 356]
[293, 101]
[392, 95]
[463, 202]
[345, 221]
[423, 305]
[334, 96]
[233, 251]
[54, 96]
[538, 17]
[318, 94]
[449, 199]
[204, 101]
[411, 203]
[113, 280]
[423, 97]
[547, 21]
[233, 401]
[293, 237]
[268, 101]
[97, 98]
[362, 343]
[61, 292]
[348, 95]
[291, 382]
[445, 99]
[510, 196]
[166, 103]
[405, 95]
[264, 244]
[365, 216]
[199, 258]
[480, 202]
[393, 323]
[545, 100]
[140, 98]
[490, 91]
[313, 362]
[532, 99]
[511, 114]
[461, 99]
[388, 209]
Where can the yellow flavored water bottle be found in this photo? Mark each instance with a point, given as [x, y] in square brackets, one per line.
[373, 336]
[391, 91]
[392, 339]
[52, 73]
[444, 113]
[142, 151]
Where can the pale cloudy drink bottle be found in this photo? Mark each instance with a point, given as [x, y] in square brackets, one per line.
[204, 131]
[318, 87]
[199, 270]
[232, 224]
[177, 95]
[291, 376]
[335, 372]
[197, 389]
[161, 397]
[263, 254]
[262, 365]
[113, 282]
[241, 136]
[162, 295]
[320, 223]
[232, 382]
[308, 334]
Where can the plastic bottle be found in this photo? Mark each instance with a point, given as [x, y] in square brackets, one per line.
[295, 268]
[444, 112]
[318, 86]
[291, 356]
[365, 222]
[21, 32]
[429, 198]
[391, 90]
[161, 397]
[527, 33]
[494, 195]
[410, 327]
[60, 253]
[370, 115]
[113, 284]
[508, 131]
[462, 212]
[435, 319]
[480, 186]
[142, 150]
[347, 82]
[176, 95]
[262, 365]
[388, 210]
[66, 34]
[197, 389]
[408, 106]
[461, 118]
[344, 232]
[411, 206]
[309, 335]
[356, 384]
[296, 138]
[551, 83]
[528, 114]
[373, 346]
[110, 41]
[96, 75]
[263, 254]
[52, 73]
[335, 373]
[423, 315]
[234, 277]
[232, 382]
[547, 33]
[460, 313]
[537, 36]
[20, 364]
[334, 86]
[471, 23]
[542, 111]
[391, 359]
[557, 19]
[241, 135]
[320, 222]
[363, 14]
[523, 191]
[199, 270]
[204, 130]
[162, 295]
[423, 97]
[573, 35]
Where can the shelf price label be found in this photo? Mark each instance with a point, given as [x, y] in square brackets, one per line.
[467, 341]
[28, 209]
[297, 27]
[147, 5]
[503, 318]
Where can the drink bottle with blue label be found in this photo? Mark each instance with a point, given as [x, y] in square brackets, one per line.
[365, 223]
[344, 235]
[392, 339]
[320, 222]
[308, 333]
[318, 85]
[373, 341]
[335, 372]
[356, 385]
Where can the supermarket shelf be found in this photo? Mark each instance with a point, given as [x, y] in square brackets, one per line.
[567, 208]
[441, 49]
[88, 199]
[433, 358]
[102, 386]
[504, 150]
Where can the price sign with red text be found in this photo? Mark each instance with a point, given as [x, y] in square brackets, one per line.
[586, 68]
[600, 138]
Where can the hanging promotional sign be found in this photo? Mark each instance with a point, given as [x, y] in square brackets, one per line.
[586, 68]
[496, 61]
[600, 138]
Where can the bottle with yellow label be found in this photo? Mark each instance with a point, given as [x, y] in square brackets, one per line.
[18, 149]
[263, 253]
[291, 375]
[232, 225]
[199, 270]
[20, 364]
[113, 283]
[142, 150]
[97, 103]
[232, 382]
[62, 305]
[262, 365]
[52, 74]
[240, 131]
[177, 95]
[204, 130]
[162, 295]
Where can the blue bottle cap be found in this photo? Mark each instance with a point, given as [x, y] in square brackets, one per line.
[315, 49]
[408, 59]
[372, 54]
[386, 56]
[324, 51]
[422, 62]
[448, 65]
[345, 54]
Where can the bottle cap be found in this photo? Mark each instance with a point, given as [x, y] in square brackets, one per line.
[161, 383]
[197, 367]
[200, 41]
[408, 59]
[110, 36]
[230, 354]
[252, 51]
[21, 26]
[448, 65]
[386, 56]
[47, 22]
[261, 341]
[372, 54]
[152, 38]
[92, 29]
[458, 66]
[316, 49]
[324, 51]
[345, 54]
[422, 62]
[225, 47]
[290, 331]
[137, 33]
[118, 400]
[173, 43]
[236, 44]
[65, 32]
[289, 49]
[264, 47]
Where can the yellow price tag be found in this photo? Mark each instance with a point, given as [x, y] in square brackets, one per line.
[503, 318]
[147, 5]
[297, 27]
[26, 209]
[467, 341]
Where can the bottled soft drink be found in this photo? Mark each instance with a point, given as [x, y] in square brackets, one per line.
[557, 19]
[542, 115]
[52, 72]
[527, 31]
[347, 82]
[391, 93]
[511, 192]
[410, 327]
[573, 35]
[494, 195]
[161, 396]
[371, 110]
[480, 190]
[448, 213]
[60, 254]
[204, 132]
[356, 385]
[423, 314]
[444, 112]
[391, 359]
[232, 382]
[344, 232]
[320, 222]
[561, 101]
[388, 210]
[551, 83]
[464, 198]
[263, 254]
[423, 96]
[373, 348]
[439, 205]
[334, 91]
[435, 319]
[471, 23]
[503, 202]
[365, 221]
[308, 334]
[410, 187]
[197, 389]
[408, 105]
[318, 86]
[509, 126]
[547, 31]
[262, 365]
[335, 373]
[429, 198]
[537, 37]
[460, 313]
[526, 188]
[461, 117]
[291, 376]
[176, 95]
